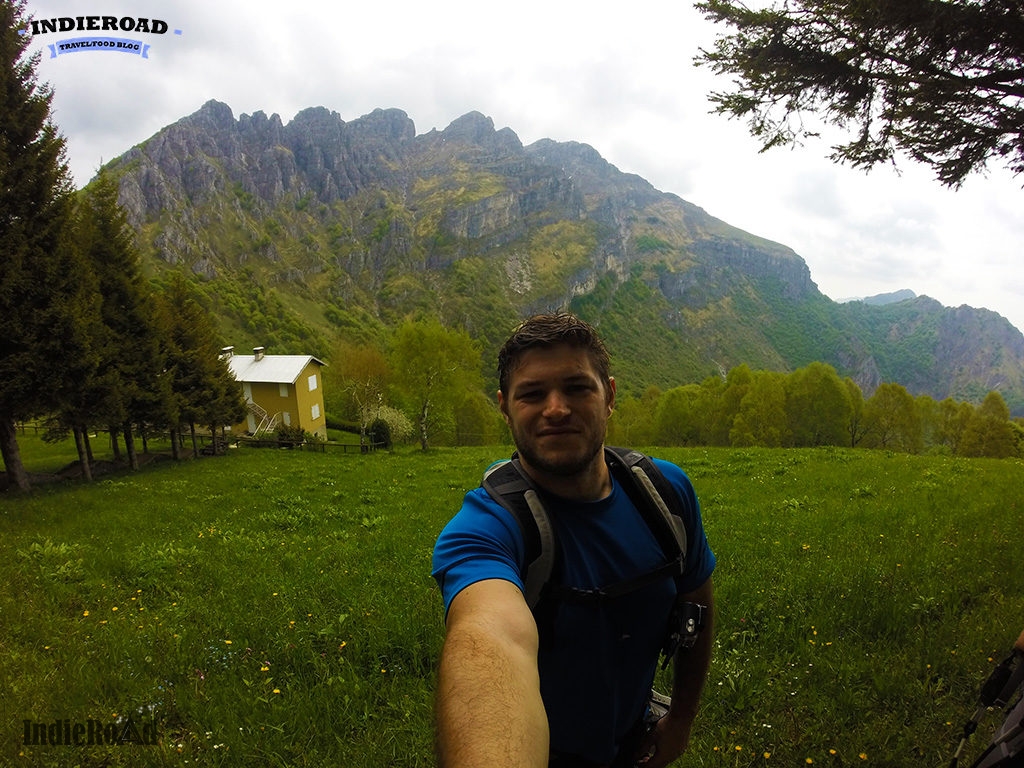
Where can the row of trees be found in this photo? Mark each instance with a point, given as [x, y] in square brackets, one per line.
[431, 373]
[425, 381]
[84, 341]
[814, 406]
[121, 356]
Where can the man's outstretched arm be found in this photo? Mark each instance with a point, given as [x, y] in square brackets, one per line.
[488, 705]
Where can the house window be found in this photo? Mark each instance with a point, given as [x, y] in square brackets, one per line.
[312, 382]
[315, 411]
[283, 389]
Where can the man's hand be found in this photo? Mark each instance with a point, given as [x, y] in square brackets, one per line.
[666, 742]
[671, 735]
[488, 705]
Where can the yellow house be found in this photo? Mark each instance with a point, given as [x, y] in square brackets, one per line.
[279, 390]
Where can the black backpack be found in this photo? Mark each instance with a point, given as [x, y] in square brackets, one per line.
[659, 505]
[1006, 750]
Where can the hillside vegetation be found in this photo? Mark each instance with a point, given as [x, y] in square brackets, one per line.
[275, 607]
[319, 229]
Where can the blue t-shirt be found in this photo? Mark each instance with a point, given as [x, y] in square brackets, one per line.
[597, 662]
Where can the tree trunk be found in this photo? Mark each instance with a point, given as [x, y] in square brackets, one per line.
[12, 455]
[88, 445]
[115, 444]
[176, 443]
[129, 445]
[195, 443]
[423, 425]
[83, 455]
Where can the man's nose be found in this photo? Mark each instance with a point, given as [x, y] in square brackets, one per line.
[556, 406]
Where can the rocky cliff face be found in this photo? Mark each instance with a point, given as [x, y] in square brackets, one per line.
[368, 217]
[211, 165]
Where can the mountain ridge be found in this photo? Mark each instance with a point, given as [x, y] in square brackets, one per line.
[347, 227]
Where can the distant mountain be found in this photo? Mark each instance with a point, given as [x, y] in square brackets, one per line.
[883, 298]
[319, 227]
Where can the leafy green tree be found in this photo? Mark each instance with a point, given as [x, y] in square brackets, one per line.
[721, 403]
[817, 406]
[478, 420]
[928, 414]
[892, 419]
[941, 81]
[632, 422]
[953, 418]
[1018, 437]
[434, 368]
[359, 374]
[761, 419]
[676, 416]
[988, 433]
[45, 349]
[709, 417]
[856, 426]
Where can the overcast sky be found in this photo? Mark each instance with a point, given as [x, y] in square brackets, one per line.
[619, 78]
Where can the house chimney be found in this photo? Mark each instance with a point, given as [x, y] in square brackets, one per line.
[227, 352]
[257, 353]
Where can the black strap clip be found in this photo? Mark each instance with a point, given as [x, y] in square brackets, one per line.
[684, 628]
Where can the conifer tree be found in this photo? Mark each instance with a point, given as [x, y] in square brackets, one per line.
[79, 405]
[42, 301]
[939, 81]
[203, 390]
[131, 354]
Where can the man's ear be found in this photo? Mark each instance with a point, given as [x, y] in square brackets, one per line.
[610, 390]
[503, 406]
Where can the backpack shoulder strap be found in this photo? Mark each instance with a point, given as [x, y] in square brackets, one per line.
[508, 485]
[654, 496]
[664, 511]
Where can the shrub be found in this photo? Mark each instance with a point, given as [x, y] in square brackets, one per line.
[289, 437]
[380, 433]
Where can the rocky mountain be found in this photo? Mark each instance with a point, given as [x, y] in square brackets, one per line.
[305, 231]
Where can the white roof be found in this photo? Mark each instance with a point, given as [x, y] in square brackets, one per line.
[270, 369]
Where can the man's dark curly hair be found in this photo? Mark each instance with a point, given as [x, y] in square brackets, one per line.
[550, 330]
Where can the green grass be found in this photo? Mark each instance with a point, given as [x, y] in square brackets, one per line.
[50, 458]
[274, 607]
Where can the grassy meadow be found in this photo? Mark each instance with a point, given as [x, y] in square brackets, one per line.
[275, 608]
